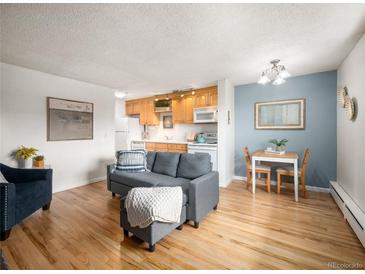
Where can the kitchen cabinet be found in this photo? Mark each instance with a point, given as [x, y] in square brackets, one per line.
[150, 146]
[213, 98]
[189, 106]
[182, 107]
[133, 107]
[166, 147]
[201, 99]
[178, 111]
[206, 97]
[128, 108]
[182, 110]
[147, 113]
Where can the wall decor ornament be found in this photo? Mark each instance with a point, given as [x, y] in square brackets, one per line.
[69, 120]
[348, 103]
[350, 108]
[341, 96]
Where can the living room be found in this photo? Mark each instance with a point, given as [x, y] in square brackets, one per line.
[182, 136]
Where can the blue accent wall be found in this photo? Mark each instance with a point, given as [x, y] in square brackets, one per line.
[319, 136]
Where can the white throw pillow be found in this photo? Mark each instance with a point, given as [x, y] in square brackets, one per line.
[2, 178]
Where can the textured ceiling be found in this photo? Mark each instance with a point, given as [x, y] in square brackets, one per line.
[151, 48]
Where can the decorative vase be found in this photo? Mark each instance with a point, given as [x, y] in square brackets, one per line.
[38, 164]
[280, 148]
[25, 163]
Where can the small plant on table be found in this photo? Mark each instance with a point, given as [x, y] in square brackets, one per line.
[280, 145]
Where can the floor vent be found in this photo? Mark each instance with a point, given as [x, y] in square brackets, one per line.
[351, 211]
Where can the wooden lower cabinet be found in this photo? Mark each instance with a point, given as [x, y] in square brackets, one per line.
[166, 147]
[150, 146]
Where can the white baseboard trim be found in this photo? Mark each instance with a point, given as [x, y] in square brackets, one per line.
[226, 184]
[95, 180]
[318, 189]
[239, 178]
[273, 182]
[90, 181]
[351, 211]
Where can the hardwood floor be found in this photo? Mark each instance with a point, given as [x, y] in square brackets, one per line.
[265, 231]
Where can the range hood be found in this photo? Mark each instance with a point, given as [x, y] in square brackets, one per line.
[163, 105]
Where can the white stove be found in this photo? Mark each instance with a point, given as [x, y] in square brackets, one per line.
[210, 147]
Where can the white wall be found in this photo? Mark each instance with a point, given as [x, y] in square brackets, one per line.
[225, 132]
[24, 118]
[351, 135]
[119, 106]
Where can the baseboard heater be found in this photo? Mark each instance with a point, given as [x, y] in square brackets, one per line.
[351, 211]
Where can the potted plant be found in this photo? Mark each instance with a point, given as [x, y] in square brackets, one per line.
[38, 161]
[24, 156]
[280, 145]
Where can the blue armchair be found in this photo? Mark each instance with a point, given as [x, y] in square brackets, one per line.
[27, 191]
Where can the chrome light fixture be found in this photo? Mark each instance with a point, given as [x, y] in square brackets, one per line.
[276, 74]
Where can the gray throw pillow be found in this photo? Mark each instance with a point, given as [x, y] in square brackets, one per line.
[192, 166]
[2, 178]
[166, 163]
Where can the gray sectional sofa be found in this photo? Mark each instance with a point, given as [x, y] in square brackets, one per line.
[192, 172]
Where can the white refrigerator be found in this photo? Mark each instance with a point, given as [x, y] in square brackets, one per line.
[126, 131]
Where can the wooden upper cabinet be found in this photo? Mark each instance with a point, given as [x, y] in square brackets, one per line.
[213, 98]
[178, 111]
[182, 110]
[182, 107]
[129, 108]
[188, 107]
[143, 113]
[147, 113]
[153, 118]
[206, 97]
[145, 108]
[133, 107]
[201, 99]
[137, 107]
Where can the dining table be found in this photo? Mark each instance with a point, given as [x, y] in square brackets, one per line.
[287, 157]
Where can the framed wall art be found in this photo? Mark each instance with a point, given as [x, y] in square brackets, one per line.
[167, 121]
[69, 120]
[284, 114]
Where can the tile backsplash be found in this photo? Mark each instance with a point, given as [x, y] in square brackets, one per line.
[179, 132]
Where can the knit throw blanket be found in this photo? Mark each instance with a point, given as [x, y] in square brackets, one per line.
[146, 205]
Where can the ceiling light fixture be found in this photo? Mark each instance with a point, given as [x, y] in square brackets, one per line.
[119, 94]
[276, 74]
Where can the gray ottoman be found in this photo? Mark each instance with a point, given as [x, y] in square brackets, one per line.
[154, 232]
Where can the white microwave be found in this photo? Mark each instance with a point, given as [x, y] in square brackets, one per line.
[205, 115]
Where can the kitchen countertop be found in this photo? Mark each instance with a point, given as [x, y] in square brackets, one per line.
[173, 142]
[164, 141]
